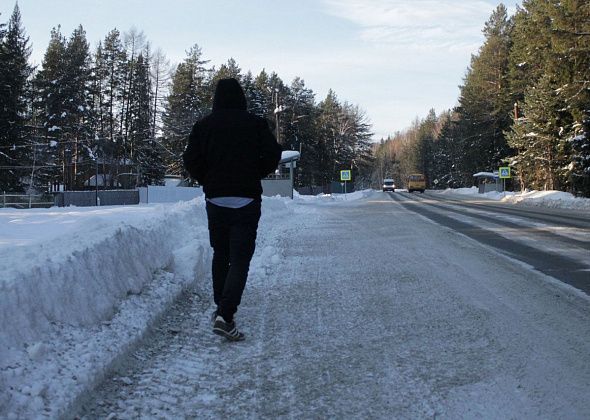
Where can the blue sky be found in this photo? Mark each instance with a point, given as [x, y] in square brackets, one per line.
[396, 59]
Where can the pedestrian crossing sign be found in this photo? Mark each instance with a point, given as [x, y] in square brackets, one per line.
[504, 172]
[345, 175]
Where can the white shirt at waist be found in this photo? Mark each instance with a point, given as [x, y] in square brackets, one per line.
[231, 202]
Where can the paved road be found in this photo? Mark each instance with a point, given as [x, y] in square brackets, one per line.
[372, 312]
[555, 242]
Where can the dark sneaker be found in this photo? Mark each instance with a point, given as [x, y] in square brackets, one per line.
[227, 329]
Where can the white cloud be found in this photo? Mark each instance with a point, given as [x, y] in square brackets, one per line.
[422, 24]
[415, 50]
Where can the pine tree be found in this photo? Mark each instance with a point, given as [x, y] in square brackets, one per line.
[327, 146]
[78, 120]
[423, 147]
[64, 105]
[298, 122]
[261, 103]
[187, 102]
[110, 61]
[49, 105]
[144, 151]
[552, 43]
[485, 102]
[570, 38]
[134, 42]
[446, 155]
[531, 48]
[580, 165]
[113, 64]
[357, 149]
[160, 76]
[538, 137]
[253, 95]
[14, 104]
[225, 71]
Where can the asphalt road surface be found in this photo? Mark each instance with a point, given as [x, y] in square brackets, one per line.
[555, 242]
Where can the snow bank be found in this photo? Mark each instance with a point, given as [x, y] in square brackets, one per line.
[78, 275]
[81, 286]
[462, 191]
[330, 198]
[554, 199]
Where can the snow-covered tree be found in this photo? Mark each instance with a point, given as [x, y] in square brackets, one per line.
[145, 153]
[14, 102]
[188, 100]
[538, 137]
[485, 102]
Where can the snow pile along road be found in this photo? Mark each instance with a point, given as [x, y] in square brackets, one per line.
[330, 198]
[553, 199]
[79, 286]
[78, 278]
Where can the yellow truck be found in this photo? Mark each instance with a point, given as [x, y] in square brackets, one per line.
[416, 182]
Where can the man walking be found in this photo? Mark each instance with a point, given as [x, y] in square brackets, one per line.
[228, 153]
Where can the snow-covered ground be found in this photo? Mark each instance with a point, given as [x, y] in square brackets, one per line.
[80, 286]
[554, 199]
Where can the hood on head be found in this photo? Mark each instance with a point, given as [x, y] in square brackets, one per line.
[229, 95]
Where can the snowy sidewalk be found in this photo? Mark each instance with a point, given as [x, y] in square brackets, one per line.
[369, 311]
[80, 287]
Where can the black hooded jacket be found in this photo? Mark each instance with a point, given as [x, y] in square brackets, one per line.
[230, 150]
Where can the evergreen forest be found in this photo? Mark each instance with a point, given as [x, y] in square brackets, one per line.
[123, 112]
[524, 103]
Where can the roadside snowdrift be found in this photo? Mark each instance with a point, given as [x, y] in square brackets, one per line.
[553, 199]
[81, 286]
[79, 278]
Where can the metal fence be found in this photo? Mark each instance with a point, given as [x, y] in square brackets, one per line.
[161, 194]
[26, 201]
[333, 188]
[92, 198]
[277, 186]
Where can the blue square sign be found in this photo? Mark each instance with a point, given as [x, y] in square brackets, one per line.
[345, 175]
[504, 172]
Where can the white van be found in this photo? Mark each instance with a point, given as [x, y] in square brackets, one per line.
[388, 185]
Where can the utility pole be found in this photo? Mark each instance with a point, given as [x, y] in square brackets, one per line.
[96, 180]
[32, 176]
[277, 111]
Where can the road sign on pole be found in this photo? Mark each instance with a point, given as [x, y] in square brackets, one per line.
[504, 172]
[345, 175]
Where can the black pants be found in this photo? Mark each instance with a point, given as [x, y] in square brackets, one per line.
[232, 234]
